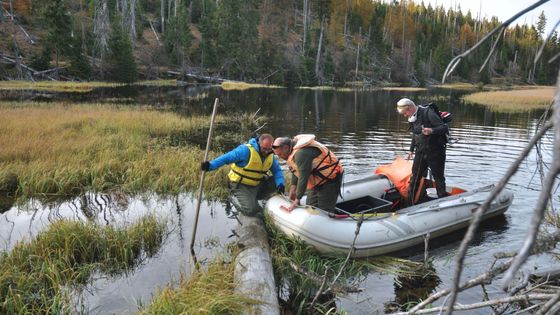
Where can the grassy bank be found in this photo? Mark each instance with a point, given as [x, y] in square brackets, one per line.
[38, 277]
[206, 292]
[67, 149]
[517, 99]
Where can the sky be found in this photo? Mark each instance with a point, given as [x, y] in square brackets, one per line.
[504, 9]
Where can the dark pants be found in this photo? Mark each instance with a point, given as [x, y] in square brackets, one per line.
[435, 160]
[245, 198]
[325, 196]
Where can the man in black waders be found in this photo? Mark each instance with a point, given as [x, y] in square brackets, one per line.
[429, 141]
[254, 173]
[315, 171]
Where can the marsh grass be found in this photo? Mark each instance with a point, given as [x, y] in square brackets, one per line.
[54, 86]
[64, 150]
[240, 86]
[299, 289]
[464, 86]
[76, 87]
[37, 277]
[403, 89]
[520, 99]
[208, 291]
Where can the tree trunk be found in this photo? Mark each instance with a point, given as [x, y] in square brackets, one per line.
[358, 54]
[102, 28]
[318, 58]
[162, 9]
[305, 5]
[253, 267]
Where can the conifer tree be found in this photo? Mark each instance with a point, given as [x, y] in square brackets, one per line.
[120, 60]
[178, 37]
[59, 26]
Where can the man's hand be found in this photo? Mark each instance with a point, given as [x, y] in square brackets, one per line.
[427, 131]
[291, 207]
[280, 189]
[205, 166]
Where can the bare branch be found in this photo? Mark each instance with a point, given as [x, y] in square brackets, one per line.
[539, 53]
[493, 49]
[506, 300]
[544, 244]
[548, 305]
[542, 202]
[455, 61]
[480, 211]
[554, 58]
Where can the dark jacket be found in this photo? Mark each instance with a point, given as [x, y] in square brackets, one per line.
[429, 119]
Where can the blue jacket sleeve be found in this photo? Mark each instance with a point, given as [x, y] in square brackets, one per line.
[239, 155]
[277, 172]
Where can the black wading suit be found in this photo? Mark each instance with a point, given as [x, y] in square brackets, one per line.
[430, 151]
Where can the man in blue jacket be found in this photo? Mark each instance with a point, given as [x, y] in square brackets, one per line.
[254, 173]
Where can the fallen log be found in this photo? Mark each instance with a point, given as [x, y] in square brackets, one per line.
[198, 77]
[253, 267]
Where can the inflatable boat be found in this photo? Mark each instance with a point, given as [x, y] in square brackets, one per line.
[386, 226]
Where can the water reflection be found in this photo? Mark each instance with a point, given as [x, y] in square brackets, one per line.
[6, 202]
[411, 289]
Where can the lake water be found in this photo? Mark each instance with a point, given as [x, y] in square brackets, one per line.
[364, 130]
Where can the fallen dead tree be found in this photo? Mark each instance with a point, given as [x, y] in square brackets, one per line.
[30, 73]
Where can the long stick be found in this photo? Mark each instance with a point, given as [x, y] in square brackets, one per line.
[201, 186]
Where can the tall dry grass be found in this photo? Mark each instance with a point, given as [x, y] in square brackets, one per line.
[66, 149]
[40, 276]
[208, 291]
[515, 100]
[54, 86]
[241, 86]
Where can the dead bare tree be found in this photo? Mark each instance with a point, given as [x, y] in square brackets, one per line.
[531, 245]
[318, 58]
[101, 28]
[128, 12]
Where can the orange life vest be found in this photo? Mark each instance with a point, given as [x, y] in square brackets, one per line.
[325, 166]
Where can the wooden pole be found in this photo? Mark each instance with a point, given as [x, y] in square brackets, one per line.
[203, 173]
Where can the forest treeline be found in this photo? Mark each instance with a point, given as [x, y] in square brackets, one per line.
[286, 42]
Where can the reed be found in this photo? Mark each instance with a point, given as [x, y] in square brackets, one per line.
[57, 149]
[520, 99]
[38, 277]
[208, 291]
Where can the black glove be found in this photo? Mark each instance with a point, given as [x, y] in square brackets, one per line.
[205, 166]
[280, 189]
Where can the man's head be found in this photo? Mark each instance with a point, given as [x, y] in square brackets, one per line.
[406, 107]
[265, 144]
[282, 147]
